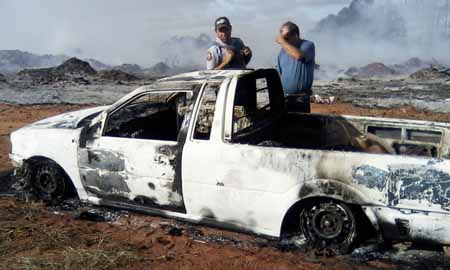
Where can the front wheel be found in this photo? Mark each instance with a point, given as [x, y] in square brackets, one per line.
[328, 224]
[51, 182]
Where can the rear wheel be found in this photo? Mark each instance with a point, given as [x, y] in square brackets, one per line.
[51, 182]
[328, 224]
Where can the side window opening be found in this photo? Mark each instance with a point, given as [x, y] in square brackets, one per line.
[410, 143]
[152, 116]
[205, 117]
[258, 107]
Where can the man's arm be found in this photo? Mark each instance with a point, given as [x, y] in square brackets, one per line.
[279, 65]
[213, 59]
[291, 50]
[229, 54]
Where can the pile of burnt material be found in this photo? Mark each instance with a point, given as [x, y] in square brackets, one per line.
[116, 75]
[381, 70]
[132, 69]
[371, 70]
[432, 73]
[412, 65]
[160, 69]
[73, 70]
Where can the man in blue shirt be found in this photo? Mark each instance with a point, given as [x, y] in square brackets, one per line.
[296, 62]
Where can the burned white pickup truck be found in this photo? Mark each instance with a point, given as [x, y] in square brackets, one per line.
[218, 147]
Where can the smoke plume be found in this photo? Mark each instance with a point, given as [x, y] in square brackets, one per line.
[385, 31]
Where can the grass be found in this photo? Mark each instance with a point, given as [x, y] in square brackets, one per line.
[76, 259]
[27, 244]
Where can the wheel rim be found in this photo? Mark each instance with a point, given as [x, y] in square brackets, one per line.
[49, 182]
[328, 223]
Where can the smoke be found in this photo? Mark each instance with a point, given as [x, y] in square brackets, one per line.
[147, 32]
[385, 31]
[364, 31]
[185, 51]
[117, 32]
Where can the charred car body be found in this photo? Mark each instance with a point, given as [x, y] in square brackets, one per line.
[217, 147]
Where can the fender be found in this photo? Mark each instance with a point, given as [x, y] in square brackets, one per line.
[338, 190]
[23, 169]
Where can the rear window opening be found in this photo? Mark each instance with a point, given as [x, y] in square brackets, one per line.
[386, 132]
[424, 136]
[415, 150]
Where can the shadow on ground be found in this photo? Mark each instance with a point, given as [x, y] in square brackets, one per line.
[6, 182]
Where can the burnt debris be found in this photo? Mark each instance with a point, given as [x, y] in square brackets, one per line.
[116, 75]
[73, 70]
[99, 215]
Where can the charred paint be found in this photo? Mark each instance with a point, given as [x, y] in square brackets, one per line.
[407, 182]
[423, 184]
[167, 155]
[152, 203]
[146, 201]
[370, 177]
[334, 189]
[151, 186]
[107, 183]
[88, 133]
[60, 124]
[207, 213]
[305, 191]
[70, 120]
[105, 160]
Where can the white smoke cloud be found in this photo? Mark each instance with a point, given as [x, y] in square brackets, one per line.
[385, 31]
[133, 31]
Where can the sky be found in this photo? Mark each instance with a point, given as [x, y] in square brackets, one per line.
[132, 31]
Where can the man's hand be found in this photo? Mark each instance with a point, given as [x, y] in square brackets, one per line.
[247, 51]
[290, 49]
[280, 39]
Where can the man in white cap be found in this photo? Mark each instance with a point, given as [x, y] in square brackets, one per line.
[227, 52]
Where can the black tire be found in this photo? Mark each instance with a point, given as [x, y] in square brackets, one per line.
[329, 224]
[50, 182]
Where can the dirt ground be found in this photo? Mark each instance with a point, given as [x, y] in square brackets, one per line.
[34, 236]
